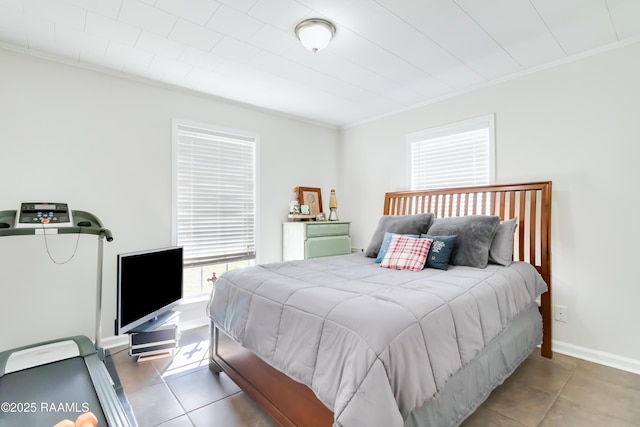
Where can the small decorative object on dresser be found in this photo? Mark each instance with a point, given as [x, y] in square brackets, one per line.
[311, 197]
[297, 212]
[333, 206]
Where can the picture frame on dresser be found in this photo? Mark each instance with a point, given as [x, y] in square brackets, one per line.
[312, 197]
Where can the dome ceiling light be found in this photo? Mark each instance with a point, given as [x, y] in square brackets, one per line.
[315, 34]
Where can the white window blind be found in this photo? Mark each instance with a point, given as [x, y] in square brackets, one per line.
[214, 194]
[457, 155]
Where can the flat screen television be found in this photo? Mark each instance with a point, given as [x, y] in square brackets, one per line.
[149, 286]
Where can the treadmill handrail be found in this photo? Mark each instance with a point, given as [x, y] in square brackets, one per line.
[85, 223]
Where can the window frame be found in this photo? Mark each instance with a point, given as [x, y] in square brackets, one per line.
[486, 121]
[176, 123]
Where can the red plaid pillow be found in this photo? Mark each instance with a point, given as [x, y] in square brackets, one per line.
[406, 253]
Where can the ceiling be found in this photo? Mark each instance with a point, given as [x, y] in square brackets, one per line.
[386, 56]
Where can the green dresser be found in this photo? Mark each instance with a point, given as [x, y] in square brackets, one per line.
[303, 240]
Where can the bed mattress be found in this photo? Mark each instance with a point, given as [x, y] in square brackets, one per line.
[376, 345]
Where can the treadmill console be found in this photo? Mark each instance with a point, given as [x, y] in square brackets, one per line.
[43, 214]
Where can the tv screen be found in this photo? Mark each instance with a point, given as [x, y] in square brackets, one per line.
[149, 285]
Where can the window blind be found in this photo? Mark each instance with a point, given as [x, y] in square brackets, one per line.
[456, 155]
[214, 195]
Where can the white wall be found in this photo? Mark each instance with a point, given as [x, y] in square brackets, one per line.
[575, 124]
[103, 144]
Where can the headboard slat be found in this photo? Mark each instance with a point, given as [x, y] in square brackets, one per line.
[520, 228]
[512, 203]
[533, 238]
[492, 203]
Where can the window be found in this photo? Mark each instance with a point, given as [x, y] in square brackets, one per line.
[214, 201]
[456, 155]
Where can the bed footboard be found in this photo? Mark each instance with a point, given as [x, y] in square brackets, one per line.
[290, 403]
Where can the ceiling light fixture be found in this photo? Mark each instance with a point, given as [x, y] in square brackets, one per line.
[315, 34]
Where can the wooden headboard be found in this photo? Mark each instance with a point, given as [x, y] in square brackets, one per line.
[529, 202]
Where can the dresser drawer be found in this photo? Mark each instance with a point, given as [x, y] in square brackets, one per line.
[327, 229]
[302, 240]
[327, 246]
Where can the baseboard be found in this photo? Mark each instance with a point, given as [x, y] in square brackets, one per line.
[115, 341]
[595, 356]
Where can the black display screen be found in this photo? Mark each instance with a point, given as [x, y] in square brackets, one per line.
[149, 285]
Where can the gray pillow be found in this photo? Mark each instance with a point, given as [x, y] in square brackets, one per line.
[400, 224]
[501, 250]
[475, 233]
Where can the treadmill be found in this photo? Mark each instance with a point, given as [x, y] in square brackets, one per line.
[44, 383]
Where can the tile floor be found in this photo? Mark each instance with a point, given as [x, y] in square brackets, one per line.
[562, 392]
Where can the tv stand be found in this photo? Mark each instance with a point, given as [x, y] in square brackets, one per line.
[155, 339]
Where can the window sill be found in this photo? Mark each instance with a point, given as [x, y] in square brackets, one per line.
[194, 300]
[193, 313]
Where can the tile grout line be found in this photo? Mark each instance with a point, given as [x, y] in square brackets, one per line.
[558, 393]
[184, 411]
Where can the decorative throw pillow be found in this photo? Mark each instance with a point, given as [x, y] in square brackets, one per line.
[399, 224]
[474, 235]
[501, 250]
[406, 253]
[385, 244]
[440, 251]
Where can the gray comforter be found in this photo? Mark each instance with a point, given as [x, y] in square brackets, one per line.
[374, 344]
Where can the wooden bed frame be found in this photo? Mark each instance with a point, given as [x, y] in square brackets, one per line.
[293, 404]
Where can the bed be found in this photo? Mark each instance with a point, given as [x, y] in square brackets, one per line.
[342, 341]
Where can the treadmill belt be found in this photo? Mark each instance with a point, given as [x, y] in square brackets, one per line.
[45, 395]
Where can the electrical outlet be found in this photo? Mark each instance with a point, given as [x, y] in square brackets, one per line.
[561, 313]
